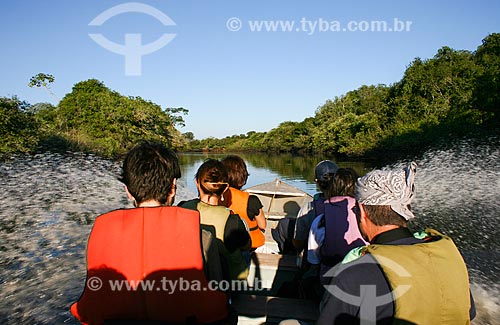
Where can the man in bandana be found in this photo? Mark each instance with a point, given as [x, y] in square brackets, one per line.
[400, 278]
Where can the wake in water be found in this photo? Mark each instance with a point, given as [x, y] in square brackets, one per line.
[457, 191]
[49, 203]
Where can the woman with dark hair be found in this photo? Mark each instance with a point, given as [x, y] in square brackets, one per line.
[247, 206]
[336, 232]
[230, 231]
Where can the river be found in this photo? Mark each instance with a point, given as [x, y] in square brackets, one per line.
[49, 202]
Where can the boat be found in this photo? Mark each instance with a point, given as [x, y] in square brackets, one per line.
[270, 269]
[280, 199]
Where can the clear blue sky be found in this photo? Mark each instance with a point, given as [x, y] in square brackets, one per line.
[231, 82]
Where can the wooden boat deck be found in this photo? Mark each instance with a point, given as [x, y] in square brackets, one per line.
[268, 269]
[261, 306]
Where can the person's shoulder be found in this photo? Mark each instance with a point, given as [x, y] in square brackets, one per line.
[188, 203]
[117, 213]
[253, 197]
[254, 204]
[306, 209]
[233, 217]
[319, 197]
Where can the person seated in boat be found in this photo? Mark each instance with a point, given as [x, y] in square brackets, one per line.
[335, 232]
[324, 172]
[291, 234]
[134, 254]
[400, 278]
[229, 229]
[247, 206]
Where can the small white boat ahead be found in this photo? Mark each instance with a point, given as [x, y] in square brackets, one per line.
[280, 199]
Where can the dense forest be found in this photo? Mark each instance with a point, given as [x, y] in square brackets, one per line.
[92, 118]
[452, 94]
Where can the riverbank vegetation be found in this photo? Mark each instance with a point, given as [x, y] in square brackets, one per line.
[91, 118]
[452, 94]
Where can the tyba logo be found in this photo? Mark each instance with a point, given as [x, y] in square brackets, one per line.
[133, 49]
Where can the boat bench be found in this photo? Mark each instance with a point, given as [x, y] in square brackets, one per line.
[273, 310]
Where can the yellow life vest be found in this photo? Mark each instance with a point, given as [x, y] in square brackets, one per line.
[429, 280]
[213, 218]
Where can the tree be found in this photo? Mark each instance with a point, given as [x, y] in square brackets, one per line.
[18, 128]
[43, 80]
[487, 92]
[189, 136]
[177, 120]
[94, 117]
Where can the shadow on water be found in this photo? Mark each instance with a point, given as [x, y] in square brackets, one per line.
[49, 202]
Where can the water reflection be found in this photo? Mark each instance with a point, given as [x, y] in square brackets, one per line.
[296, 170]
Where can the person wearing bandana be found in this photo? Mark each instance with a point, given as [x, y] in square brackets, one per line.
[400, 278]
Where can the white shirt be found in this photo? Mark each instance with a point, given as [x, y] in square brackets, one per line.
[315, 241]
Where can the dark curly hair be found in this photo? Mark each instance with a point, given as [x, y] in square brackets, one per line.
[149, 170]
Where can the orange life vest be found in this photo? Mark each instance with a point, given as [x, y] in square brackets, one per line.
[142, 249]
[238, 202]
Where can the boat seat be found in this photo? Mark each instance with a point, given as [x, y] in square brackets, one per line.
[274, 215]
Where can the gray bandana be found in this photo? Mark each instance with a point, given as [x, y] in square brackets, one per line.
[389, 187]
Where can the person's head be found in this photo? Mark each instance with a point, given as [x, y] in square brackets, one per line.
[149, 173]
[211, 179]
[384, 198]
[343, 183]
[324, 172]
[237, 172]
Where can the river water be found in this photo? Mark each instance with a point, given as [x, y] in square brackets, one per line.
[49, 202]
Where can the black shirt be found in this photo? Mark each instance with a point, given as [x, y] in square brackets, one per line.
[254, 206]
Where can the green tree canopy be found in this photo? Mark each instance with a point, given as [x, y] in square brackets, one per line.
[18, 127]
[449, 94]
[43, 80]
[487, 93]
[92, 115]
